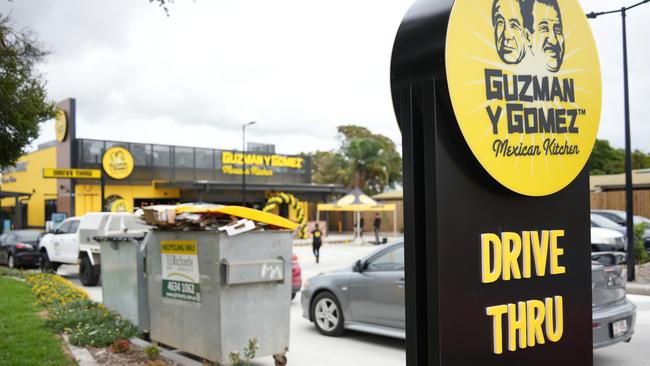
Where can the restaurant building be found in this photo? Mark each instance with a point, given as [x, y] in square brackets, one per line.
[138, 174]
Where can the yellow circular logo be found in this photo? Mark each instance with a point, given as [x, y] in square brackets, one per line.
[60, 125]
[524, 81]
[119, 206]
[118, 162]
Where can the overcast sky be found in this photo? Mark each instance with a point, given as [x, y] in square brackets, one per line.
[298, 67]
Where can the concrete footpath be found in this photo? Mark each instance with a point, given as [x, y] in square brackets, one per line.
[348, 238]
[635, 288]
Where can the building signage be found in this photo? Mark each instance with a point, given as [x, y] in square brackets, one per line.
[525, 88]
[263, 165]
[118, 163]
[180, 270]
[499, 103]
[63, 173]
[60, 125]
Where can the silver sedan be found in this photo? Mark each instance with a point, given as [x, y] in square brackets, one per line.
[368, 296]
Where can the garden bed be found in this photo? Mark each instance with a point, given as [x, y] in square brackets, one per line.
[54, 305]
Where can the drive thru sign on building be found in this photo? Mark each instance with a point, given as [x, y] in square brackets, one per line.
[499, 104]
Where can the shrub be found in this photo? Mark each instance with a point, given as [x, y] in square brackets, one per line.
[152, 352]
[639, 249]
[120, 346]
[95, 326]
[72, 312]
[51, 290]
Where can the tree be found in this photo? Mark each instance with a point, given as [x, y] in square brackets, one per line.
[605, 159]
[328, 167]
[363, 160]
[23, 99]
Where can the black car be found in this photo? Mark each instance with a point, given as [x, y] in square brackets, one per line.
[19, 248]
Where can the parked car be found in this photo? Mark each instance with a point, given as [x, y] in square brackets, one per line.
[19, 248]
[604, 222]
[368, 296]
[296, 276]
[72, 242]
[607, 240]
[619, 217]
[613, 315]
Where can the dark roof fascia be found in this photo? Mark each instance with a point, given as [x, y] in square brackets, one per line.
[292, 187]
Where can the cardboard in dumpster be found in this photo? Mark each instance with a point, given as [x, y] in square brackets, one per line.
[207, 217]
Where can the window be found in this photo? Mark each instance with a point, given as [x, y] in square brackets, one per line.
[11, 240]
[393, 260]
[63, 228]
[183, 157]
[204, 159]
[91, 151]
[140, 153]
[74, 225]
[162, 156]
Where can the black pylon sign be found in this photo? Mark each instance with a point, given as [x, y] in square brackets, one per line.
[499, 103]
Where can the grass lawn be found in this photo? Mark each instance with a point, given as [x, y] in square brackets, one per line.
[23, 339]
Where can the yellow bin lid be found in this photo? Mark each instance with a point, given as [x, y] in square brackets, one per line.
[244, 213]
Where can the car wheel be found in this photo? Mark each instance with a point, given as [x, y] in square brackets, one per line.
[46, 265]
[327, 315]
[10, 262]
[87, 274]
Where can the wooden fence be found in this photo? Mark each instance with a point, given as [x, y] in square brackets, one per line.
[615, 200]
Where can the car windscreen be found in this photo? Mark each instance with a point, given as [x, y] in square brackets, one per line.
[28, 236]
[601, 221]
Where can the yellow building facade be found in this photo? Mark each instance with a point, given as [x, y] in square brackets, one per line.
[135, 175]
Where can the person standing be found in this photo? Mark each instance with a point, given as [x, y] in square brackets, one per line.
[377, 226]
[316, 241]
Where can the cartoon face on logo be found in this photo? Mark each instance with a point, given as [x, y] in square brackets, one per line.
[529, 28]
[509, 36]
[543, 22]
[60, 126]
[118, 163]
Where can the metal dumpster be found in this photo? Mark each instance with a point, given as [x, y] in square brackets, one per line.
[124, 286]
[210, 293]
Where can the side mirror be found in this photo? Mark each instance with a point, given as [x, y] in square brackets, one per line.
[358, 266]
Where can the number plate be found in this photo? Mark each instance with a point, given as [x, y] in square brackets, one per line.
[619, 328]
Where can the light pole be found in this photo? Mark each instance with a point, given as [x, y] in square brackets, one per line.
[629, 221]
[243, 159]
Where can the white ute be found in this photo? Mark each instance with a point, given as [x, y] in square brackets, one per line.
[72, 242]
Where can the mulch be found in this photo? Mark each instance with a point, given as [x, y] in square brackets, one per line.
[135, 356]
